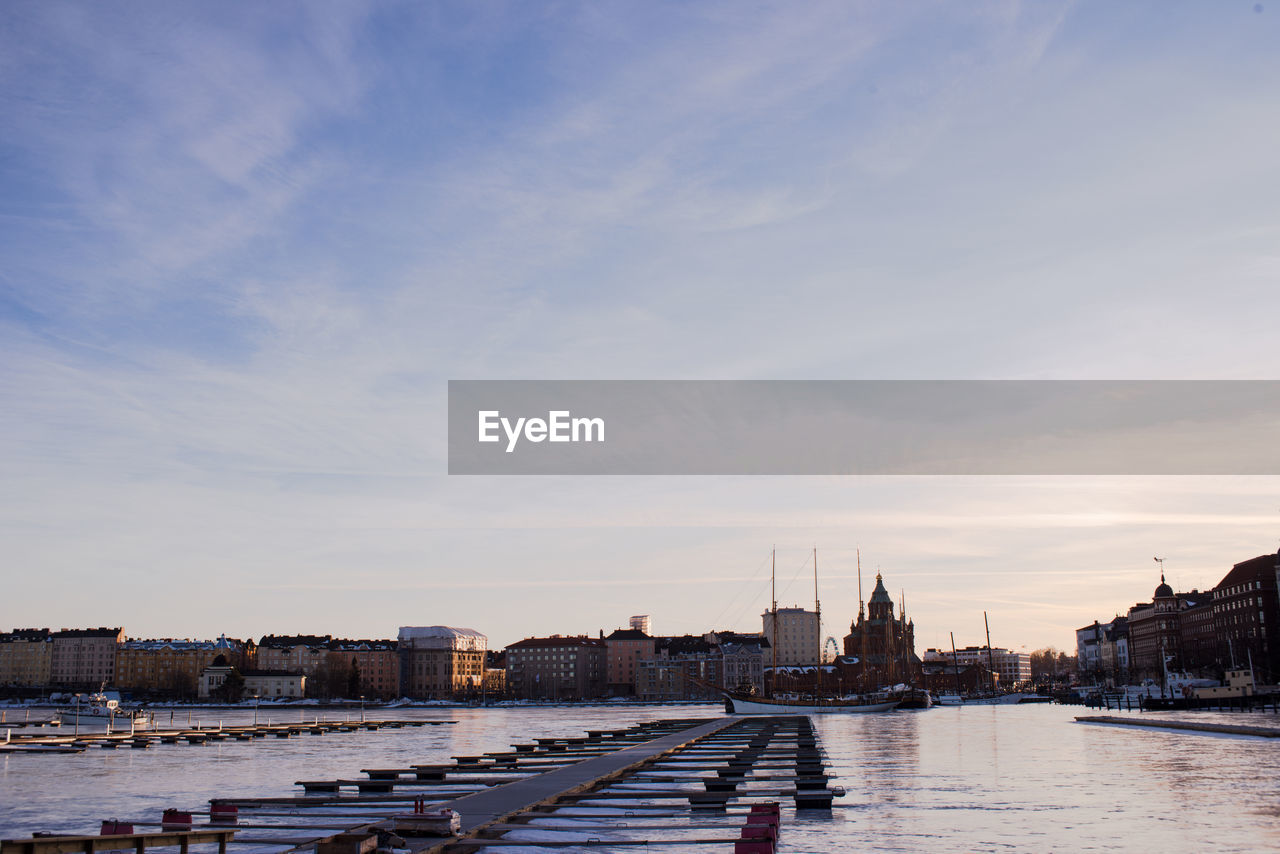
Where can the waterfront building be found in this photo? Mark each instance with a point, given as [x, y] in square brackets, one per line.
[173, 667]
[1010, 668]
[883, 646]
[265, 684]
[625, 648]
[690, 667]
[84, 659]
[798, 637]
[687, 667]
[441, 662]
[305, 654]
[373, 665]
[1102, 651]
[742, 658]
[1246, 617]
[1172, 626]
[495, 673]
[557, 668]
[1197, 635]
[26, 658]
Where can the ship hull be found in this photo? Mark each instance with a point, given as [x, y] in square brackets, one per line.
[758, 706]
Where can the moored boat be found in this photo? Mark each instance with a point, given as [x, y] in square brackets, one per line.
[100, 708]
[737, 704]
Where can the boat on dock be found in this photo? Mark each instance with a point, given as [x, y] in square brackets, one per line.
[103, 709]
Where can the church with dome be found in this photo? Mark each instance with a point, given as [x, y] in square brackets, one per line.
[881, 647]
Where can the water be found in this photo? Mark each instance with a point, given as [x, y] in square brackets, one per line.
[991, 778]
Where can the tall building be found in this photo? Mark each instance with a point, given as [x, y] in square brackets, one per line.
[1246, 617]
[441, 662]
[882, 645]
[84, 659]
[641, 623]
[626, 647]
[799, 641]
[557, 668]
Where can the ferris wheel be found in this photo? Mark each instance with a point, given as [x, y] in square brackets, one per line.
[830, 650]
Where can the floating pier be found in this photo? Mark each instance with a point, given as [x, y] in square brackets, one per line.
[65, 742]
[1186, 726]
[674, 784]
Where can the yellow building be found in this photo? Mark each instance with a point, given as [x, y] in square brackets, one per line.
[26, 657]
[173, 667]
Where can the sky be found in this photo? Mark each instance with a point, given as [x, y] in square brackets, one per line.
[244, 247]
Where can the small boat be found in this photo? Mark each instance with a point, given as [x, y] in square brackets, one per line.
[913, 698]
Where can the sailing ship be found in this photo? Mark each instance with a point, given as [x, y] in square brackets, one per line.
[742, 703]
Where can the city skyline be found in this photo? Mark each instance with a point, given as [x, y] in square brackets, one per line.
[246, 247]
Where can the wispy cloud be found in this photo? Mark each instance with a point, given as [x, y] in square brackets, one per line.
[244, 247]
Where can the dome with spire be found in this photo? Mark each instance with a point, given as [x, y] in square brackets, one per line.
[880, 595]
[1164, 590]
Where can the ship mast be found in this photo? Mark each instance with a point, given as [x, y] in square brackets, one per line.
[862, 632]
[773, 594]
[990, 664]
[817, 616]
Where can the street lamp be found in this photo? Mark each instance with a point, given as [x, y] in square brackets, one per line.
[256, 701]
[362, 708]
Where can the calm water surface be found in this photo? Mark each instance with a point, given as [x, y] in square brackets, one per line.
[1014, 778]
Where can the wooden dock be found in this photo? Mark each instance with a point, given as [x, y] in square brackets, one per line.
[65, 742]
[668, 784]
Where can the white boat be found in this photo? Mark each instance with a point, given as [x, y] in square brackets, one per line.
[738, 705]
[99, 708]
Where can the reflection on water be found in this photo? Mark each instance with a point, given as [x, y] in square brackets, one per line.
[1015, 778]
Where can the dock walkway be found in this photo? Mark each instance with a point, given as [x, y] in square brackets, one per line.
[683, 784]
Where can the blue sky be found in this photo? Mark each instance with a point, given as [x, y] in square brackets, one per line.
[245, 246]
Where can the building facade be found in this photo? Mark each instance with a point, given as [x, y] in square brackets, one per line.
[1246, 617]
[625, 649]
[26, 658]
[172, 667]
[441, 662]
[1102, 652]
[306, 654]
[370, 667]
[84, 659]
[1011, 669]
[557, 668]
[798, 638]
